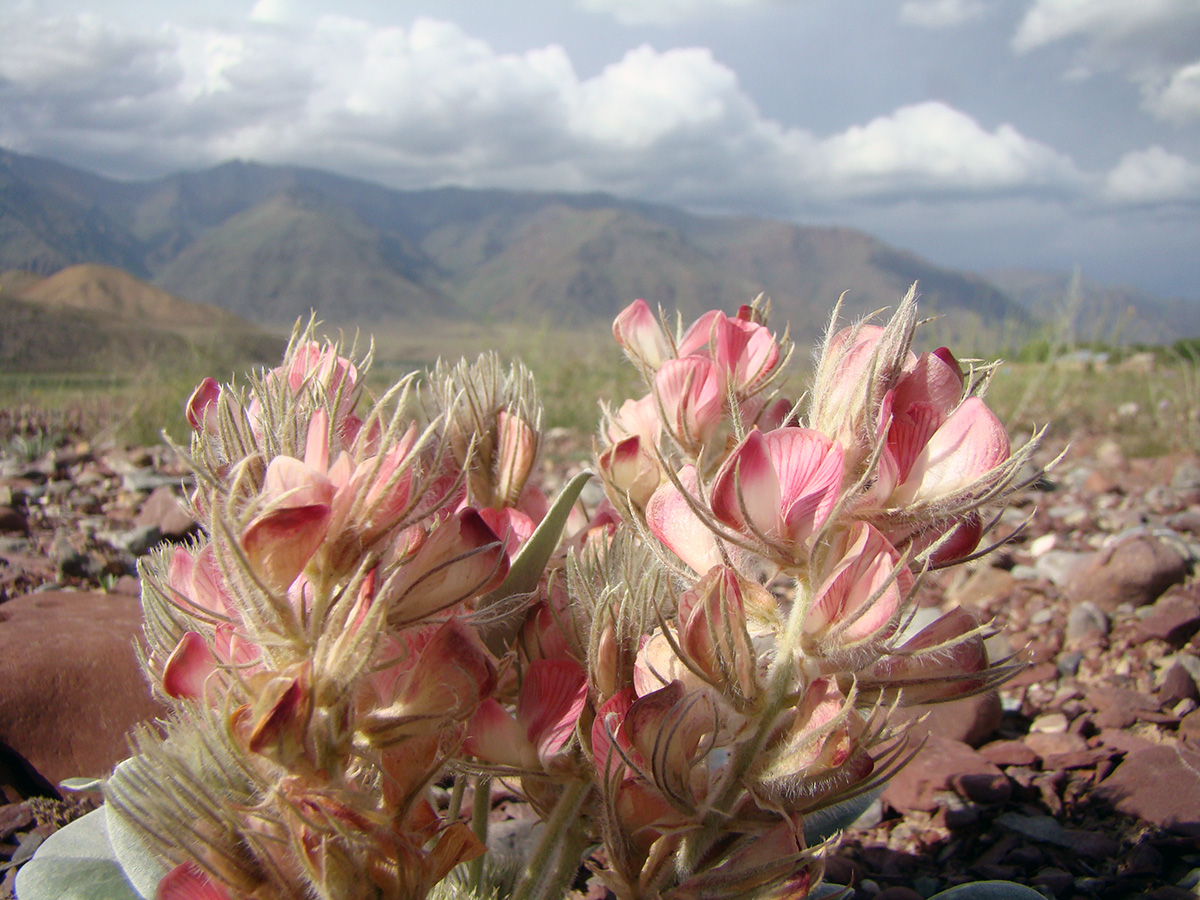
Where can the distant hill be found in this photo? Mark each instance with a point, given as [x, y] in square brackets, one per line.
[269, 243]
[1081, 310]
[93, 318]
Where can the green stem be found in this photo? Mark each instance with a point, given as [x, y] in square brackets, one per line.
[481, 806]
[456, 797]
[696, 845]
[559, 851]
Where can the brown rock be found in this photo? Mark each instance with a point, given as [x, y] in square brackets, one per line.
[1137, 571]
[1175, 618]
[1160, 785]
[971, 720]
[1044, 744]
[1118, 707]
[1177, 685]
[13, 521]
[1008, 753]
[942, 764]
[72, 685]
[164, 510]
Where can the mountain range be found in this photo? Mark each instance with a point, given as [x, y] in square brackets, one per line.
[271, 243]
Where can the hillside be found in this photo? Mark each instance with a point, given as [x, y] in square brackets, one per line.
[269, 243]
[92, 318]
[1078, 309]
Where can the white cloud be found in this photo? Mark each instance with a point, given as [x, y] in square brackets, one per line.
[432, 104]
[1152, 42]
[1179, 98]
[938, 148]
[1152, 176]
[1106, 22]
[661, 12]
[941, 13]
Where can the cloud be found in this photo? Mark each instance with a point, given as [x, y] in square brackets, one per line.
[1152, 176]
[431, 104]
[1151, 42]
[1154, 24]
[1179, 98]
[662, 12]
[933, 147]
[936, 14]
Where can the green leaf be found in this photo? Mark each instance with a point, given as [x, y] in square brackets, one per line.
[141, 867]
[527, 568]
[822, 824]
[76, 863]
[987, 890]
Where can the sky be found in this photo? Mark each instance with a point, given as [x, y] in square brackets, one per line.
[980, 134]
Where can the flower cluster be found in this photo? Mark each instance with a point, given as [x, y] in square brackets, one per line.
[680, 680]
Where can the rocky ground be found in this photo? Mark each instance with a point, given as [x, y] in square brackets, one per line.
[1081, 777]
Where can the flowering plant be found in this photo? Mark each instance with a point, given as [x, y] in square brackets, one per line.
[693, 683]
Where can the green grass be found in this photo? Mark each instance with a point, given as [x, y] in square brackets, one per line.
[1147, 413]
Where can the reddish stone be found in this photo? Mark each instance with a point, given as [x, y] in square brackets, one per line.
[1177, 685]
[72, 685]
[1048, 744]
[1118, 707]
[971, 720]
[1077, 759]
[165, 510]
[1160, 785]
[1041, 673]
[941, 765]
[1175, 619]
[1008, 753]
[1136, 571]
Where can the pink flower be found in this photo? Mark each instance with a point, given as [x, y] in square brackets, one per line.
[779, 487]
[673, 521]
[961, 449]
[689, 390]
[641, 336]
[188, 882]
[550, 703]
[201, 409]
[861, 598]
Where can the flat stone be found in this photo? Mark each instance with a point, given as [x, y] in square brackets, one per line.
[1174, 619]
[1049, 743]
[164, 510]
[72, 684]
[1118, 707]
[942, 764]
[1160, 785]
[1008, 753]
[1135, 571]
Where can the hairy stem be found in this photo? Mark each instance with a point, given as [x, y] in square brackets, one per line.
[559, 851]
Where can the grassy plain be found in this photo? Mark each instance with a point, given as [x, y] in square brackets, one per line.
[1147, 409]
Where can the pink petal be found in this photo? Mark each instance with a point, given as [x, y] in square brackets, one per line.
[970, 443]
[188, 667]
[744, 352]
[672, 521]
[187, 882]
[810, 478]
[638, 331]
[691, 398]
[279, 543]
[496, 737]
[699, 335]
[552, 698]
[935, 378]
[748, 479]
[201, 408]
[460, 559]
[864, 570]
